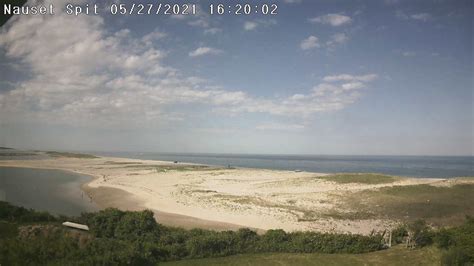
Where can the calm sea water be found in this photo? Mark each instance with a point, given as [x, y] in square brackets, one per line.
[415, 166]
[55, 191]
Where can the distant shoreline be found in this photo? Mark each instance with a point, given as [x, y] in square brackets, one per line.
[407, 166]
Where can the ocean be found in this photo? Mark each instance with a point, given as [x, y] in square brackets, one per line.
[410, 166]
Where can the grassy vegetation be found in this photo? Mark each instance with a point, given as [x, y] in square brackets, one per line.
[8, 230]
[362, 178]
[12, 154]
[116, 237]
[398, 255]
[71, 155]
[122, 163]
[161, 168]
[164, 168]
[438, 205]
[458, 242]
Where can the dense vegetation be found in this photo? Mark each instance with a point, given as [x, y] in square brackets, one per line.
[457, 242]
[14, 154]
[71, 155]
[14, 214]
[119, 237]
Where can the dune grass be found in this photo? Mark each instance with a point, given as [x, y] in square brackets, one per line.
[362, 178]
[176, 167]
[71, 155]
[13, 154]
[439, 205]
[397, 255]
[122, 163]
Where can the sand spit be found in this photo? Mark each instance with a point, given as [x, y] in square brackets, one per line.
[192, 195]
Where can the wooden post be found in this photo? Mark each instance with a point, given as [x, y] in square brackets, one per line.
[390, 239]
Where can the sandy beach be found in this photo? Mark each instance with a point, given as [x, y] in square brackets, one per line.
[191, 195]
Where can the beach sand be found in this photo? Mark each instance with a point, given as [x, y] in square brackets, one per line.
[192, 195]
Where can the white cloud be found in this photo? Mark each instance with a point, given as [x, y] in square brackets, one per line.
[408, 54]
[232, 98]
[353, 85]
[212, 31]
[93, 77]
[347, 77]
[250, 25]
[201, 19]
[297, 97]
[417, 16]
[332, 19]
[200, 22]
[153, 36]
[310, 43]
[200, 51]
[334, 94]
[253, 25]
[179, 17]
[421, 16]
[123, 33]
[338, 38]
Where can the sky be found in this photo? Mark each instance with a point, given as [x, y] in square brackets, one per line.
[389, 77]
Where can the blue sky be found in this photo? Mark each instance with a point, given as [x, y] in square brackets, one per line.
[320, 77]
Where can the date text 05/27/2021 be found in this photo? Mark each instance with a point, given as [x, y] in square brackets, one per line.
[144, 9]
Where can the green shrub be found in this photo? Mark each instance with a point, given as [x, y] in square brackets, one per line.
[458, 243]
[246, 240]
[399, 234]
[274, 241]
[212, 245]
[122, 237]
[422, 235]
[456, 256]
[444, 238]
[12, 213]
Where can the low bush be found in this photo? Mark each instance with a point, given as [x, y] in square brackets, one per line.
[458, 243]
[122, 237]
[16, 214]
[399, 234]
[422, 234]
